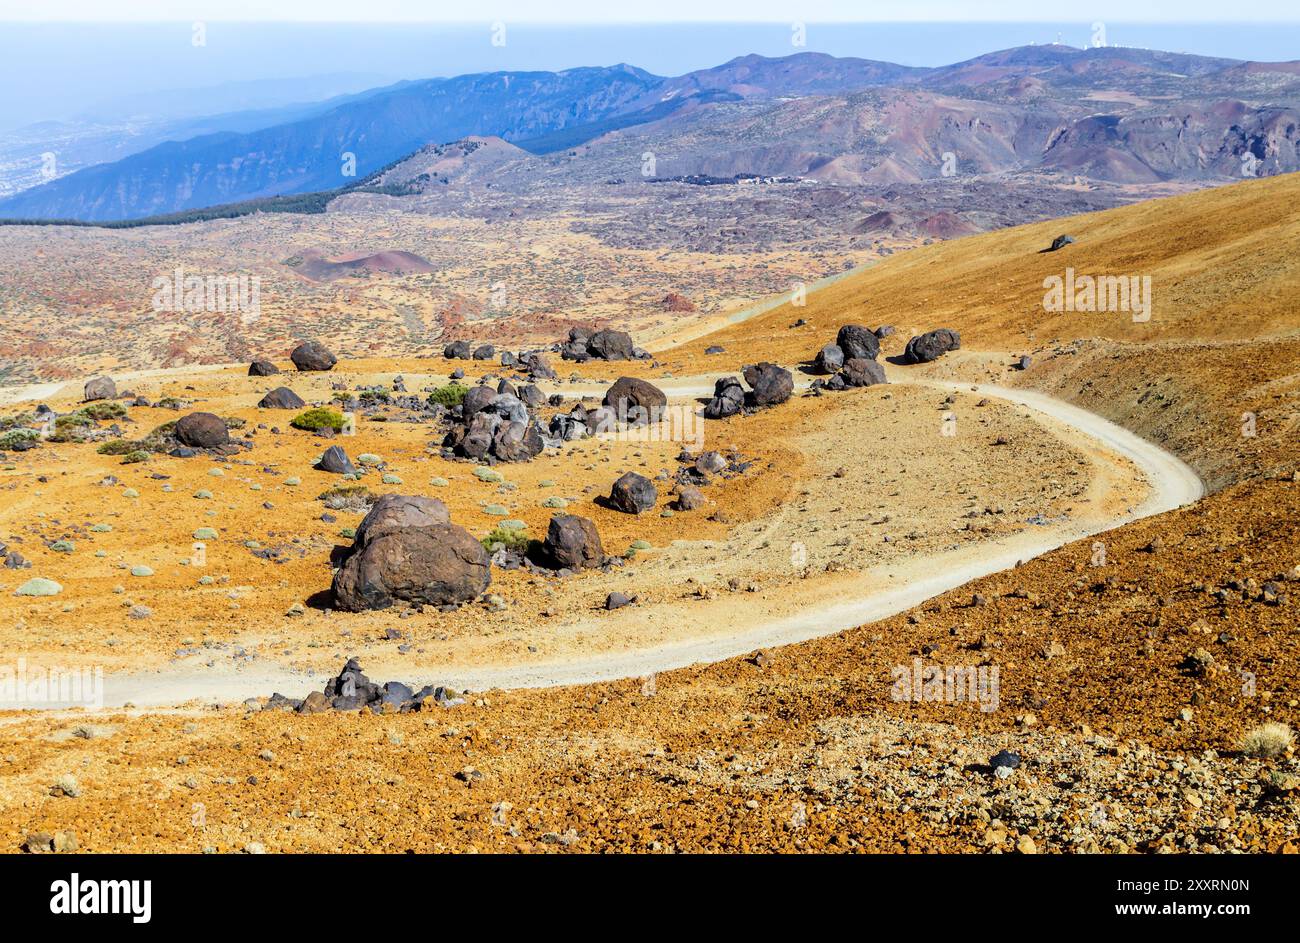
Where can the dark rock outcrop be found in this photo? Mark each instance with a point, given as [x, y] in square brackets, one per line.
[99, 388]
[931, 346]
[281, 398]
[728, 399]
[769, 383]
[313, 356]
[395, 558]
[572, 543]
[262, 368]
[633, 494]
[857, 341]
[336, 461]
[201, 431]
[829, 359]
[636, 401]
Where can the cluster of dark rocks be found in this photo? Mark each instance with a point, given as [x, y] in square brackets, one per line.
[351, 690]
[769, 385]
[12, 559]
[496, 424]
[851, 360]
[586, 344]
[532, 362]
[308, 357]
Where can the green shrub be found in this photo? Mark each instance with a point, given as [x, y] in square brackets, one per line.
[322, 417]
[10, 439]
[15, 422]
[102, 411]
[453, 394]
[118, 447]
[375, 395]
[510, 539]
[131, 458]
[170, 402]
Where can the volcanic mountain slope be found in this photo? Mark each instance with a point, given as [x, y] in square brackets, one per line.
[1127, 679]
[1166, 116]
[1222, 339]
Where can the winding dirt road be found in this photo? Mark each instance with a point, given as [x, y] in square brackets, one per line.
[861, 598]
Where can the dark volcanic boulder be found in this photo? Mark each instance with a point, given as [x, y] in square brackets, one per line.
[857, 341]
[728, 399]
[201, 431]
[538, 366]
[611, 345]
[636, 401]
[99, 388]
[457, 350]
[770, 384]
[313, 355]
[476, 399]
[572, 543]
[884, 330]
[435, 565]
[829, 359]
[262, 368]
[281, 398]
[931, 346]
[485, 352]
[862, 372]
[633, 494]
[336, 461]
[517, 441]
[397, 511]
[1060, 242]
[479, 435]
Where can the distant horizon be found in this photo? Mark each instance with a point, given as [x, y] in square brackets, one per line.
[56, 70]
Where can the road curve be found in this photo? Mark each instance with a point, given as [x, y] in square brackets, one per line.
[1172, 484]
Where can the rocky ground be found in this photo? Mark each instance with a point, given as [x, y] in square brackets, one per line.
[1134, 671]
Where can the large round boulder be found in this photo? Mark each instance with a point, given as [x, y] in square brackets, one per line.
[313, 356]
[262, 368]
[857, 341]
[484, 352]
[434, 565]
[636, 401]
[611, 345]
[932, 345]
[99, 388]
[770, 384]
[572, 543]
[201, 431]
[633, 494]
[281, 398]
[457, 350]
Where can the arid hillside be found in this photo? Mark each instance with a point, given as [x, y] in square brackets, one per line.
[1131, 664]
[1221, 338]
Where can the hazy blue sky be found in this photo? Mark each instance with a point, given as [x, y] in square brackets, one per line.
[591, 11]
